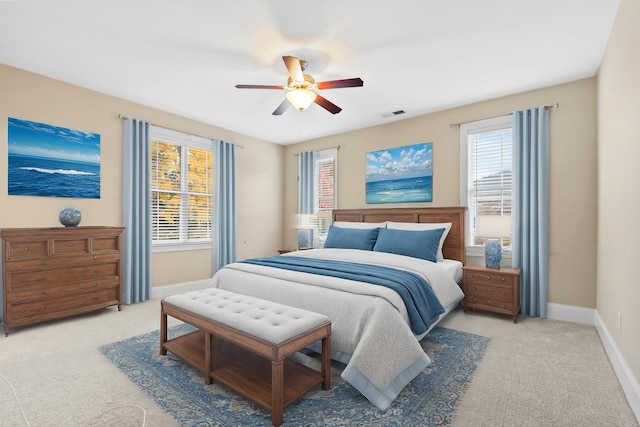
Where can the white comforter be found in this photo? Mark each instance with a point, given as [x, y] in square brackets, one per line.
[370, 326]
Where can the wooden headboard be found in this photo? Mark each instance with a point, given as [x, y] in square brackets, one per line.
[453, 248]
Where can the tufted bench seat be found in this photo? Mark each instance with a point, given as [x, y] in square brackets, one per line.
[244, 342]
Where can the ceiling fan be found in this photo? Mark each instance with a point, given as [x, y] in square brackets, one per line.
[301, 88]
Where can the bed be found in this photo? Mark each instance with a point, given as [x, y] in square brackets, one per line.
[374, 331]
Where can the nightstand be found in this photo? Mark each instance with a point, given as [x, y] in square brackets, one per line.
[492, 289]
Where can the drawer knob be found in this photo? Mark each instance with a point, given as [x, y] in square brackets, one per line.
[26, 248]
[24, 279]
[504, 305]
[72, 244]
[475, 300]
[503, 279]
[488, 277]
[95, 257]
[488, 301]
[488, 289]
[46, 262]
[44, 292]
[504, 292]
[473, 288]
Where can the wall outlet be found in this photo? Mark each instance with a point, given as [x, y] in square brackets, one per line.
[619, 322]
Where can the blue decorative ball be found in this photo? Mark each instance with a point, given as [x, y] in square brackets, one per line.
[492, 253]
[70, 217]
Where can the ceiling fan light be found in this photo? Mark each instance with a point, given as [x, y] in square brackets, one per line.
[301, 98]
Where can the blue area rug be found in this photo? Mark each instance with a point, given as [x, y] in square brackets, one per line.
[430, 399]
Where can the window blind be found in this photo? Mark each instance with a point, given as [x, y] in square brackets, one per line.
[489, 175]
[182, 195]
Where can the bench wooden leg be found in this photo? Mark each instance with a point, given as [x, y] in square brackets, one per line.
[326, 363]
[208, 358]
[163, 332]
[277, 392]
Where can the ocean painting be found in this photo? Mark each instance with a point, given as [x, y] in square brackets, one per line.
[400, 175]
[52, 161]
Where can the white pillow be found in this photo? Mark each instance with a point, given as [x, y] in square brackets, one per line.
[424, 226]
[349, 224]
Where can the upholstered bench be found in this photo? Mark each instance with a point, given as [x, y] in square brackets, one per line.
[244, 343]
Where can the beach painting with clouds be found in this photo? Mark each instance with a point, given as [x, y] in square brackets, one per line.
[52, 161]
[400, 175]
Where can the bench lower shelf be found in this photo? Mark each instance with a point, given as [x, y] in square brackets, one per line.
[243, 371]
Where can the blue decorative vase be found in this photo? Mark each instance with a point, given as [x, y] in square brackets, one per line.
[70, 217]
[492, 253]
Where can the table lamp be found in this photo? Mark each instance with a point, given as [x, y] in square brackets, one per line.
[493, 226]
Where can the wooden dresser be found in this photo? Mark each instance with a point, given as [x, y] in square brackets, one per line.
[50, 273]
[492, 289]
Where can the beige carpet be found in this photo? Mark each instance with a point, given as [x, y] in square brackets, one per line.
[535, 373]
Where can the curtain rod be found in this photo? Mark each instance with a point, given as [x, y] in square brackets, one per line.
[121, 117]
[453, 125]
[337, 147]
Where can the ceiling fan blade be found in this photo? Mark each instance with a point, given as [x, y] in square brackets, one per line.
[327, 105]
[281, 108]
[333, 84]
[293, 65]
[259, 87]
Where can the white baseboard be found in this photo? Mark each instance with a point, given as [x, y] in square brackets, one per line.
[571, 313]
[628, 381]
[160, 292]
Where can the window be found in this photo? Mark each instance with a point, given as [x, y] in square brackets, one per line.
[181, 190]
[325, 194]
[486, 184]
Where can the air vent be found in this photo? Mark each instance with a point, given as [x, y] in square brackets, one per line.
[393, 113]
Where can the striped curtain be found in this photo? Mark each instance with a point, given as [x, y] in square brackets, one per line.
[531, 209]
[136, 212]
[223, 239]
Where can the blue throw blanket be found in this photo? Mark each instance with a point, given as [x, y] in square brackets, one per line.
[423, 306]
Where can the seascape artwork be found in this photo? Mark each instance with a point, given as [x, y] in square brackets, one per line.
[52, 161]
[400, 175]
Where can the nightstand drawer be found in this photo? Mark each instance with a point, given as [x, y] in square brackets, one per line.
[484, 302]
[489, 290]
[489, 277]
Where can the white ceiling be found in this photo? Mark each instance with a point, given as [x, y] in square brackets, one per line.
[419, 56]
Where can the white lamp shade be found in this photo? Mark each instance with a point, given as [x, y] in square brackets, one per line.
[493, 226]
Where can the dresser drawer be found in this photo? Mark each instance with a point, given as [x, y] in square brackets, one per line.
[27, 249]
[48, 293]
[41, 264]
[16, 280]
[105, 244]
[70, 247]
[56, 307]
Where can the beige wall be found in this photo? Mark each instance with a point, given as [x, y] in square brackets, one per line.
[618, 288]
[572, 242]
[259, 183]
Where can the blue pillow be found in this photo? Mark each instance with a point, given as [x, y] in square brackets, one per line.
[414, 243]
[351, 238]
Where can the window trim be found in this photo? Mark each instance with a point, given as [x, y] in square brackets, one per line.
[486, 125]
[179, 138]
